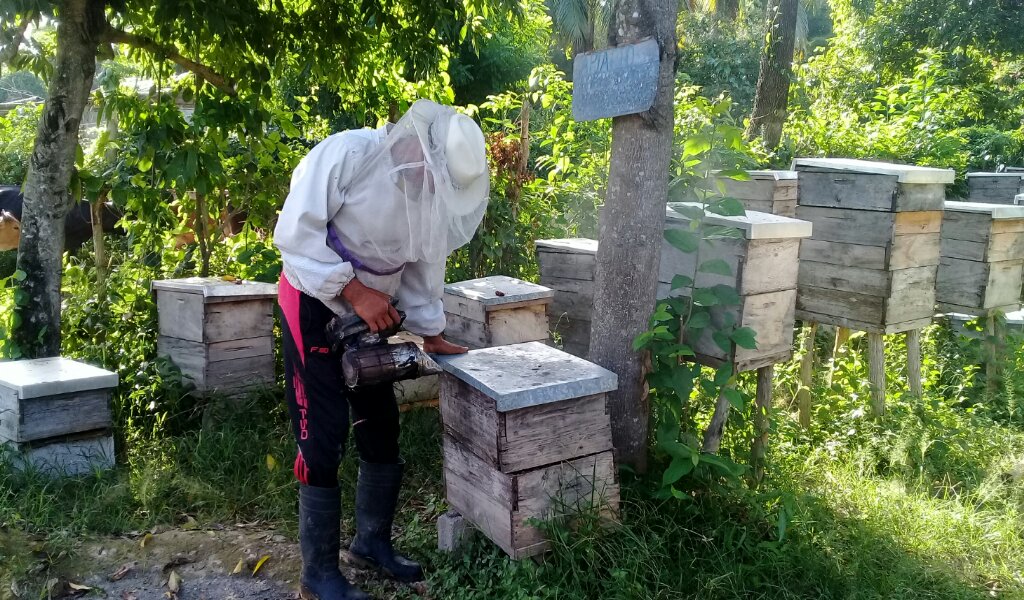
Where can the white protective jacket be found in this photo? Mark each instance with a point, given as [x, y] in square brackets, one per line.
[316, 198]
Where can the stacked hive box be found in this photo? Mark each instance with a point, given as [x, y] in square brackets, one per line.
[219, 333]
[567, 267]
[526, 436]
[763, 262]
[495, 311]
[55, 415]
[871, 263]
[982, 258]
[994, 188]
[773, 192]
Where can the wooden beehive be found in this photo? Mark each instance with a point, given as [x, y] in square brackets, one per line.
[773, 192]
[994, 188]
[526, 436]
[496, 311]
[567, 267]
[219, 333]
[982, 263]
[55, 415]
[872, 260]
[763, 262]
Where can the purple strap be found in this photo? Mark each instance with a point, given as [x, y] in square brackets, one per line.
[334, 243]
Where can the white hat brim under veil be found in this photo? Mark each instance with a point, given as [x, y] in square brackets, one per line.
[401, 204]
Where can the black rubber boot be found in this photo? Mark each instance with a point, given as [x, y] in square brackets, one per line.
[376, 499]
[319, 539]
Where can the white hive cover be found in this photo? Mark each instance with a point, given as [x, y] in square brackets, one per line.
[529, 374]
[997, 211]
[216, 287]
[573, 245]
[51, 376]
[498, 290]
[904, 173]
[754, 225]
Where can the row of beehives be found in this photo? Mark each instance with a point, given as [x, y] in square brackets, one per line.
[883, 251]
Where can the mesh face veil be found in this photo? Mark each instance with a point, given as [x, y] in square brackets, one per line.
[402, 204]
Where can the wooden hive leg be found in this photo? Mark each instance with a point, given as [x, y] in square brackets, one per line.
[452, 532]
[914, 363]
[762, 420]
[993, 365]
[876, 373]
[716, 428]
[803, 396]
[842, 336]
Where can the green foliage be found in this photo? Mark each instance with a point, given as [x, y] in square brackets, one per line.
[17, 134]
[722, 57]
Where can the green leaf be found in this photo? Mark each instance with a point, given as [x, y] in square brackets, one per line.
[736, 174]
[694, 213]
[716, 266]
[681, 281]
[723, 374]
[728, 207]
[745, 337]
[726, 295]
[699, 320]
[697, 144]
[722, 341]
[705, 297]
[19, 275]
[676, 470]
[682, 239]
[734, 397]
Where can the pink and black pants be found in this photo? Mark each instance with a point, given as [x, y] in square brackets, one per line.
[319, 402]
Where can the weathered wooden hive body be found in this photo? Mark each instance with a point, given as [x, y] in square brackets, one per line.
[495, 311]
[982, 262]
[994, 188]
[55, 415]
[762, 260]
[526, 436]
[219, 333]
[872, 260]
[773, 192]
[567, 267]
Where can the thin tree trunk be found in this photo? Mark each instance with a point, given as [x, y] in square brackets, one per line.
[772, 95]
[96, 207]
[203, 233]
[727, 9]
[47, 198]
[631, 232]
[762, 421]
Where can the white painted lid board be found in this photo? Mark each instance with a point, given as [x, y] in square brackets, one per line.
[529, 374]
[216, 287]
[997, 211]
[983, 174]
[569, 245]
[51, 376]
[497, 290]
[775, 175]
[754, 225]
[904, 173]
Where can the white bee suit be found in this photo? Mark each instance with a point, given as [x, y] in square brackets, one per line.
[385, 206]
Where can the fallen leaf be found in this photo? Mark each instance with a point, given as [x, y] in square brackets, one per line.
[119, 574]
[15, 590]
[228, 278]
[239, 567]
[78, 587]
[259, 564]
[145, 540]
[174, 582]
[271, 463]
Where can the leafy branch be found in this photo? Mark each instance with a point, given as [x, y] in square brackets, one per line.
[168, 51]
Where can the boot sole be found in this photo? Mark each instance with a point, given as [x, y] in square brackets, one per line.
[371, 565]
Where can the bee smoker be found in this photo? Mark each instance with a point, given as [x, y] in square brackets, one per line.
[367, 358]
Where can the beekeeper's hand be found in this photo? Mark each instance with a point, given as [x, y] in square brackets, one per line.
[436, 344]
[372, 306]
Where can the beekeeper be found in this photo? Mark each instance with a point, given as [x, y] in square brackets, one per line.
[372, 214]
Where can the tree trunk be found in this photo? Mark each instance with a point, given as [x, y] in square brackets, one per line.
[727, 9]
[47, 198]
[772, 95]
[631, 232]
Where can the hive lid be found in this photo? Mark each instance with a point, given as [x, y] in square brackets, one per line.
[528, 374]
[498, 290]
[904, 173]
[773, 175]
[1016, 175]
[997, 211]
[51, 376]
[573, 245]
[216, 287]
[754, 225]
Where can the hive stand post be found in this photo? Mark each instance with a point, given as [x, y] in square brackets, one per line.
[842, 336]
[914, 363]
[803, 396]
[716, 428]
[453, 532]
[993, 358]
[876, 373]
[762, 421]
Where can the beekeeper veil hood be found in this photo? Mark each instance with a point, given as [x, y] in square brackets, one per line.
[421, 193]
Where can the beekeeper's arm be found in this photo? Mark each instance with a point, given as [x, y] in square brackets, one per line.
[419, 296]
